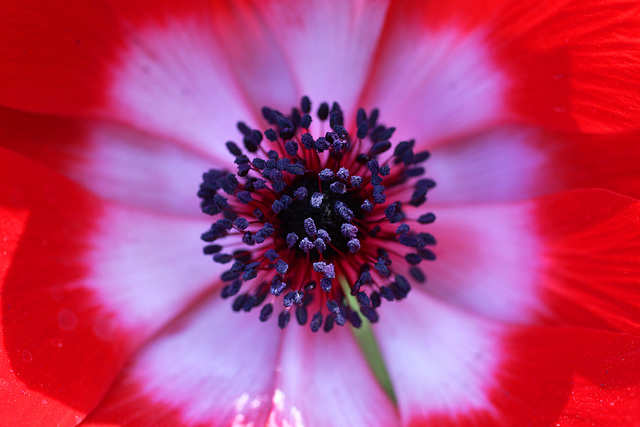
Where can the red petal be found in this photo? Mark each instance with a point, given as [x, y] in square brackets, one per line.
[58, 57]
[572, 257]
[608, 402]
[592, 259]
[212, 367]
[113, 161]
[571, 65]
[58, 358]
[569, 376]
[450, 368]
[86, 283]
[512, 163]
[324, 381]
[153, 64]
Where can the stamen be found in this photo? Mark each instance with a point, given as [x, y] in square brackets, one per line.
[308, 209]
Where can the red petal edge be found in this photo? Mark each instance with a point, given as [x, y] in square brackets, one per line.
[572, 65]
[59, 350]
[57, 56]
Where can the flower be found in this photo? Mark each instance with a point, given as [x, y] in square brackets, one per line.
[111, 111]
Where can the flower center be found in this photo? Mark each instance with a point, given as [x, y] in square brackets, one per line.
[306, 219]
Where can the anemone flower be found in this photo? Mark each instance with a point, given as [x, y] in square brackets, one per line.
[420, 213]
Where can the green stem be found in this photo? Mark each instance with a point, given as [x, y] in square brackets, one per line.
[368, 344]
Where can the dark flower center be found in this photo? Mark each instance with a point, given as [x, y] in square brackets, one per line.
[322, 214]
[307, 219]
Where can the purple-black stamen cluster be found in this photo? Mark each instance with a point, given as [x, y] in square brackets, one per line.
[302, 215]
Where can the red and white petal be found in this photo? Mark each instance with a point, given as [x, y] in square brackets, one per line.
[570, 258]
[442, 362]
[591, 258]
[500, 164]
[171, 78]
[513, 163]
[155, 65]
[85, 282]
[467, 65]
[574, 65]
[254, 55]
[328, 46]
[434, 82]
[113, 161]
[324, 381]
[450, 368]
[213, 367]
[488, 261]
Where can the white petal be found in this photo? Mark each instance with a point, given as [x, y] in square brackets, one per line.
[173, 80]
[148, 268]
[436, 84]
[212, 367]
[324, 381]
[442, 362]
[329, 46]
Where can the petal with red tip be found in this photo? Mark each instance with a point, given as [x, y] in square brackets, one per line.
[449, 367]
[434, 82]
[255, 56]
[441, 362]
[570, 257]
[466, 65]
[153, 64]
[85, 283]
[324, 381]
[211, 367]
[514, 163]
[56, 363]
[591, 242]
[488, 261]
[328, 46]
[112, 161]
[172, 79]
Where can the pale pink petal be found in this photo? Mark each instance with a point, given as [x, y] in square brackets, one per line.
[435, 83]
[519, 162]
[254, 55]
[329, 46]
[213, 367]
[451, 368]
[569, 257]
[172, 79]
[147, 268]
[441, 361]
[502, 164]
[323, 380]
[489, 260]
[113, 161]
